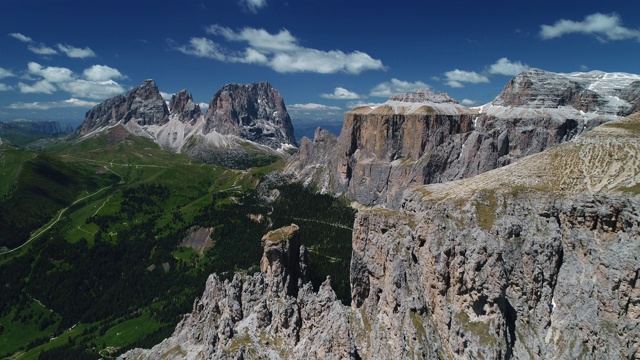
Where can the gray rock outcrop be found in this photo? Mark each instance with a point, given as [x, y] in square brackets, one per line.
[272, 314]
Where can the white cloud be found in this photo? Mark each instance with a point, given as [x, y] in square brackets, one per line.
[312, 106]
[51, 73]
[280, 51]
[203, 105]
[40, 87]
[102, 73]
[78, 53]
[165, 96]
[467, 102]
[253, 5]
[21, 37]
[456, 77]
[356, 104]
[54, 104]
[202, 47]
[604, 27]
[5, 87]
[584, 67]
[92, 89]
[341, 93]
[396, 86]
[505, 67]
[42, 50]
[5, 73]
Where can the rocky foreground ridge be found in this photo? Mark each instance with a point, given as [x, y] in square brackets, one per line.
[537, 259]
[425, 138]
[239, 117]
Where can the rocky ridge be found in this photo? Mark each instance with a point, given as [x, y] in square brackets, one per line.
[537, 259]
[416, 139]
[271, 314]
[240, 117]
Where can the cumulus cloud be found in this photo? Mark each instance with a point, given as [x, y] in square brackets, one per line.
[604, 27]
[5, 87]
[201, 47]
[356, 104]
[39, 87]
[467, 102]
[4, 73]
[165, 96]
[253, 5]
[21, 37]
[341, 93]
[203, 105]
[102, 73]
[51, 73]
[456, 77]
[312, 106]
[92, 89]
[42, 50]
[506, 67]
[97, 84]
[280, 51]
[396, 86]
[53, 104]
[74, 52]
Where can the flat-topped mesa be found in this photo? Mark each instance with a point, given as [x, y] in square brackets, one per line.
[184, 108]
[254, 112]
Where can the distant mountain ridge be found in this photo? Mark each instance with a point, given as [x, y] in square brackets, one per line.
[423, 138]
[241, 119]
[22, 132]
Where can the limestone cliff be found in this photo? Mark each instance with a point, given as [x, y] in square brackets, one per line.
[424, 138]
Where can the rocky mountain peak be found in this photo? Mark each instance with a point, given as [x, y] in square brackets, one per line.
[143, 104]
[422, 96]
[183, 106]
[255, 112]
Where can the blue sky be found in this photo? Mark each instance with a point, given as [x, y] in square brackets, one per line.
[58, 58]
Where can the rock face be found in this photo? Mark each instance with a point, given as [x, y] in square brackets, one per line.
[255, 112]
[424, 138]
[242, 120]
[272, 314]
[184, 108]
[537, 259]
[143, 104]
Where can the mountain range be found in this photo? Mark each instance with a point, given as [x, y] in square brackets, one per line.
[505, 231]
